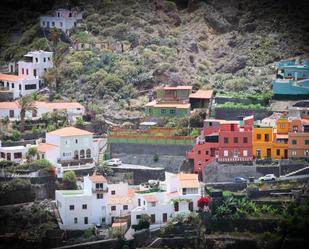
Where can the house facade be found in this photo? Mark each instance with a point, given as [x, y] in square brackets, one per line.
[82, 209]
[102, 203]
[69, 148]
[30, 70]
[61, 19]
[223, 141]
[14, 153]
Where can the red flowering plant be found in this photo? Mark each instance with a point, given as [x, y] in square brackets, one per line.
[203, 202]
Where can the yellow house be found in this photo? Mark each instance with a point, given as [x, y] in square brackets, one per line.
[280, 141]
[262, 142]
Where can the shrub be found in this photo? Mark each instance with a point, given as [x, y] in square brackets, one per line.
[69, 179]
[15, 135]
[144, 222]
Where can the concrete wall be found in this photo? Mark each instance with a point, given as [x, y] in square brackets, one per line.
[238, 114]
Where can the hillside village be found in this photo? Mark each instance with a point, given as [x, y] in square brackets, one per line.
[154, 124]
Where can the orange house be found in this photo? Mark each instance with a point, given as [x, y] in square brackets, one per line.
[262, 142]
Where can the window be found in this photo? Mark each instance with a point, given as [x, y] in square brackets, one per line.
[76, 141]
[235, 140]
[61, 24]
[85, 220]
[22, 71]
[172, 111]
[13, 85]
[113, 192]
[163, 111]
[11, 113]
[19, 87]
[266, 137]
[17, 155]
[53, 24]
[245, 140]
[258, 136]
[226, 140]
[139, 202]
[282, 126]
[71, 207]
[36, 60]
[138, 216]
[75, 220]
[294, 141]
[295, 128]
[43, 23]
[144, 202]
[113, 208]
[27, 71]
[245, 153]
[84, 206]
[30, 87]
[278, 152]
[293, 153]
[125, 207]
[306, 153]
[199, 152]
[99, 185]
[225, 153]
[306, 141]
[99, 196]
[206, 152]
[176, 206]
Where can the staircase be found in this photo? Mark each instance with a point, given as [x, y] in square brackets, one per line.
[303, 171]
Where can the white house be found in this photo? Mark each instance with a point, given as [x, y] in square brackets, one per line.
[30, 71]
[179, 193]
[82, 209]
[119, 202]
[69, 148]
[61, 19]
[11, 110]
[14, 153]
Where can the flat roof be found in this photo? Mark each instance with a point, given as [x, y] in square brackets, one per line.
[167, 105]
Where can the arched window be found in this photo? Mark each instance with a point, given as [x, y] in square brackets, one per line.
[76, 154]
[82, 154]
[88, 153]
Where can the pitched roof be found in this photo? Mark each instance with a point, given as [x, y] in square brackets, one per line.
[114, 200]
[131, 192]
[9, 105]
[150, 198]
[97, 178]
[44, 147]
[202, 94]
[10, 77]
[188, 180]
[70, 132]
[57, 105]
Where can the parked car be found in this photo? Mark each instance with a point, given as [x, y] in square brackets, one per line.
[269, 177]
[114, 162]
[240, 179]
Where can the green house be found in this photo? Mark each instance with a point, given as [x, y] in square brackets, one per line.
[167, 109]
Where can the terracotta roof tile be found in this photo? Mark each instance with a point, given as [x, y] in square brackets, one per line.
[10, 77]
[114, 200]
[44, 147]
[9, 105]
[188, 180]
[150, 198]
[70, 131]
[97, 178]
[58, 105]
[202, 94]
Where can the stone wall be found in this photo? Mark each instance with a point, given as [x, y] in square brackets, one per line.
[222, 100]
[216, 172]
[170, 157]
[143, 175]
[238, 114]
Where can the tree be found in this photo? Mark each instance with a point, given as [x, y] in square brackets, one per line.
[104, 169]
[25, 104]
[32, 152]
[69, 180]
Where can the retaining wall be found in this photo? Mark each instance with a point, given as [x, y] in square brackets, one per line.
[239, 114]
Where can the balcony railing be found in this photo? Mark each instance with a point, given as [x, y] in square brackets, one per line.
[100, 190]
[75, 162]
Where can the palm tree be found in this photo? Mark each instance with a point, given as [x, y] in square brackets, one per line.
[25, 104]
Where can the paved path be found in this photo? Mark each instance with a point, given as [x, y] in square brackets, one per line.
[135, 166]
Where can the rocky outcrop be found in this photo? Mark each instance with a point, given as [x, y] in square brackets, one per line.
[234, 65]
[216, 20]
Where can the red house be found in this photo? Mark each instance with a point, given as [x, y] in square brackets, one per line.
[223, 141]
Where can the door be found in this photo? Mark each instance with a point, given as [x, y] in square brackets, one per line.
[8, 156]
[285, 153]
[153, 218]
[268, 152]
[191, 206]
[258, 153]
[164, 218]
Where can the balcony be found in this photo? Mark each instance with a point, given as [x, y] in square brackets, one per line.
[100, 190]
[234, 159]
[76, 164]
